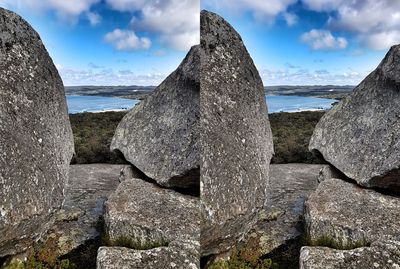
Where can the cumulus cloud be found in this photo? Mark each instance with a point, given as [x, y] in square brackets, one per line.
[176, 22]
[126, 40]
[68, 10]
[376, 23]
[290, 18]
[108, 77]
[94, 18]
[261, 9]
[324, 5]
[307, 77]
[323, 40]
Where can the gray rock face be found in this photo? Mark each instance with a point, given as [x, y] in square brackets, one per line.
[236, 144]
[148, 214]
[328, 172]
[385, 255]
[36, 143]
[88, 188]
[182, 255]
[359, 136]
[280, 221]
[160, 135]
[348, 215]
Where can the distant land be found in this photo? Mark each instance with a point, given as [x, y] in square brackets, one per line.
[130, 92]
[139, 92]
[321, 91]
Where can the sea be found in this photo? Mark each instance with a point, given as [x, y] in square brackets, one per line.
[283, 103]
[80, 104]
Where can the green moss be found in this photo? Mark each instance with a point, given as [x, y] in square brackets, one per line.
[128, 242]
[36, 261]
[15, 265]
[244, 259]
[328, 241]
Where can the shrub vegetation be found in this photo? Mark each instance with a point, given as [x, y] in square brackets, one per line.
[291, 134]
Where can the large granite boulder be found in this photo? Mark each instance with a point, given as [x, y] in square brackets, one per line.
[384, 255]
[160, 135]
[345, 215]
[236, 143]
[178, 255]
[36, 142]
[359, 136]
[279, 223]
[148, 215]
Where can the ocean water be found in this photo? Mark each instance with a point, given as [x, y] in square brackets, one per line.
[79, 104]
[281, 103]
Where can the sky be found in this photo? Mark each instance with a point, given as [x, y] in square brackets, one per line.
[139, 42]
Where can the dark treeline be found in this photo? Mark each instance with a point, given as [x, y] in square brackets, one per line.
[291, 131]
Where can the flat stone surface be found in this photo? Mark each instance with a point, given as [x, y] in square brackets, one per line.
[179, 255]
[280, 221]
[148, 214]
[160, 135]
[348, 215]
[36, 142]
[359, 136]
[383, 255]
[88, 188]
[235, 134]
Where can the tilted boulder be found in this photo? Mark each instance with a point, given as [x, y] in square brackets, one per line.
[36, 142]
[385, 255]
[359, 136]
[160, 135]
[236, 143]
[346, 215]
[148, 215]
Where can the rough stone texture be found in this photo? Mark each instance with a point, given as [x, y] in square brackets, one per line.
[236, 143]
[160, 135]
[328, 172]
[359, 136]
[349, 215]
[88, 188]
[383, 255]
[148, 214]
[128, 172]
[36, 143]
[178, 255]
[280, 221]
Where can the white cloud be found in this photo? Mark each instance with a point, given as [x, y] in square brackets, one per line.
[108, 77]
[290, 18]
[306, 77]
[323, 5]
[67, 10]
[176, 22]
[261, 9]
[94, 18]
[126, 40]
[375, 23]
[381, 40]
[323, 40]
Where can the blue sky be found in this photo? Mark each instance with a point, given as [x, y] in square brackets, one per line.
[312, 42]
[113, 42]
[292, 42]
